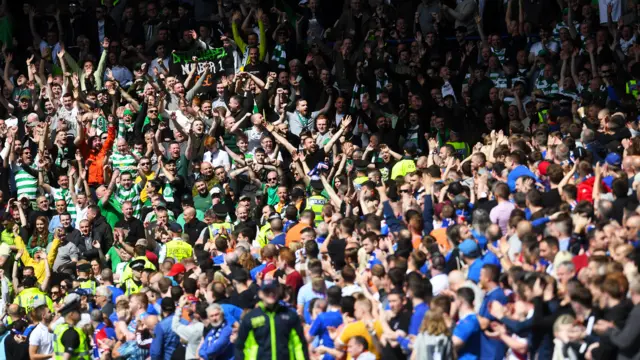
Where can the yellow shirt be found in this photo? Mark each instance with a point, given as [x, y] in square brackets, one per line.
[39, 265]
[143, 193]
[358, 328]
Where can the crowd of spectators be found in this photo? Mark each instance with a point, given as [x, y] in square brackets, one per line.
[315, 180]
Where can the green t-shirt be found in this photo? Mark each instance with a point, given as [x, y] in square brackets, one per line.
[272, 195]
[112, 211]
[115, 258]
[202, 203]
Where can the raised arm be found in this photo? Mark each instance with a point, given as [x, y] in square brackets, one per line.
[345, 122]
[279, 138]
[98, 74]
[335, 199]
[7, 81]
[174, 119]
[327, 106]
[572, 29]
[36, 37]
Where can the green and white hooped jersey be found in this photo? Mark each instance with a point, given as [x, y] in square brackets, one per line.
[124, 163]
[547, 87]
[25, 183]
[121, 195]
[65, 194]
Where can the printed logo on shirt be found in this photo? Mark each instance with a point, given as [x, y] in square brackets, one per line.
[258, 321]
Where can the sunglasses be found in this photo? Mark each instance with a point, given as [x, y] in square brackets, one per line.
[404, 191]
[153, 111]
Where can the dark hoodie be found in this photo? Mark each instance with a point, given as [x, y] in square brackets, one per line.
[102, 232]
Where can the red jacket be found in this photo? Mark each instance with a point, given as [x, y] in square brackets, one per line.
[585, 189]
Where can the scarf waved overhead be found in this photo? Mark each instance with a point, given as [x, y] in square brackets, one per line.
[381, 82]
[279, 56]
[315, 172]
[357, 92]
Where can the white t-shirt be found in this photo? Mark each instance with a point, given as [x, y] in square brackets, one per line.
[615, 14]
[220, 158]
[551, 45]
[438, 283]
[42, 338]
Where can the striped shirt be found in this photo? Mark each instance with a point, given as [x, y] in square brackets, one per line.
[124, 163]
[25, 183]
[65, 194]
[121, 195]
[123, 130]
[547, 86]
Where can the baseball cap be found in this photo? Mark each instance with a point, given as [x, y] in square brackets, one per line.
[215, 191]
[361, 164]
[268, 286]
[176, 269]
[543, 166]
[175, 227]
[187, 199]
[142, 242]
[469, 248]
[613, 159]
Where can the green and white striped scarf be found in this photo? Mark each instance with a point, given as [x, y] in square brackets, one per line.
[500, 54]
[279, 56]
[380, 84]
[356, 93]
[100, 125]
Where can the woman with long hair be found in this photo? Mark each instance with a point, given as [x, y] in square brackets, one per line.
[434, 338]
[40, 237]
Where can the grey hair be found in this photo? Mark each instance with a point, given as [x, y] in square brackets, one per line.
[103, 291]
[481, 220]
[213, 307]
[587, 136]
[568, 265]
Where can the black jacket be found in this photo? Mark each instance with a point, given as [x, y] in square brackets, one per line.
[135, 227]
[102, 232]
[255, 335]
[193, 230]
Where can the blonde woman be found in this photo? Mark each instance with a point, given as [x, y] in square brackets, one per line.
[561, 329]
[434, 340]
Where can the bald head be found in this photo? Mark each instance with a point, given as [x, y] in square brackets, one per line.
[190, 212]
[627, 163]
[633, 221]
[524, 227]
[13, 310]
[636, 163]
